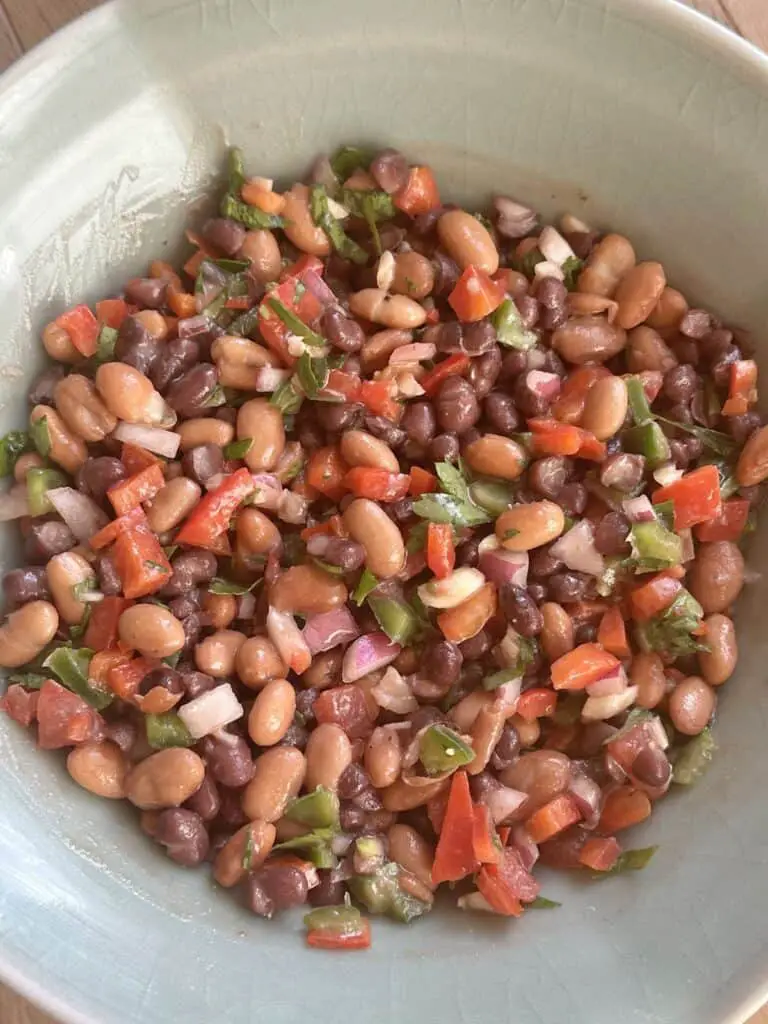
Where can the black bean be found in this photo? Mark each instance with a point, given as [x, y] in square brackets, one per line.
[520, 610]
[146, 292]
[195, 683]
[189, 394]
[352, 781]
[694, 446]
[203, 462]
[225, 234]
[123, 734]
[467, 554]
[696, 324]
[206, 802]
[347, 554]
[553, 363]
[385, 430]
[305, 700]
[41, 392]
[390, 236]
[190, 568]
[228, 760]
[342, 331]
[717, 345]
[296, 736]
[328, 893]
[185, 605]
[446, 336]
[23, 585]
[528, 308]
[389, 169]
[679, 453]
[110, 583]
[456, 406]
[582, 242]
[368, 800]
[97, 475]
[585, 633]
[478, 337]
[444, 448]
[549, 476]
[552, 296]
[513, 364]
[622, 472]
[441, 662]
[336, 417]
[351, 818]
[611, 534]
[400, 511]
[419, 422]
[501, 413]
[572, 499]
[308, 430]
[476, 647]
[275, 887]
[528, 401]
[543, 563]
[538, 592]
[447, 273]
[45, 540]
[740, 427]
[720, 370]
[166, 677]
[425, 223]
[651, 767]
[680, 383]
[567, 587]
[484, 371]
[183, 834]
[175, 359]
[507, 749]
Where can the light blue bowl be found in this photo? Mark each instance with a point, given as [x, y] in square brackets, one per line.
[638, 115]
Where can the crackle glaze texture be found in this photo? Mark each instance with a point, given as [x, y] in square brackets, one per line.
[641, 116]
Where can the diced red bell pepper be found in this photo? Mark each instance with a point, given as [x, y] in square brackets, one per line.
[332, 938]
[102, 664]
[82, 327]
[553, 438]
[554, 817]
[511, 878]
[652, 381]
[109, 533]
[213, 514]
[483, 834]
[582, 666]
[538, 702]
[376, 484]
[569, 404]
[344, 706]
[623, 808]
[612, 633]
[600, 854]
[303, 264]
[341, 385]
[419, 194]
[654, 596]
[333, 526]
[101, 631]
[125, 677]
[299, 300]
[455, 854]
[326, 471]
[111, 312]
[441, 554]
[376, 396]
[728, 524]
[422, 482]
[590, 448]
[742, 391]
[140, 562]
[454, 366]
[696, 497]
[475, 295]
[496, 895]
[64, 719]
[141, 487]
[20, 704]
[135, 458]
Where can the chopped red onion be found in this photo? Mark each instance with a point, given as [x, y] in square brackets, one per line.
[408, 386]
[535, 358]
[211, 711]
[513, 219]
[544, 384]
[667, 474]
[507, 695]
[152, 439]
[415, 353]
[368, 654]
[314, 283]
[267, 491]
[553, 246]
[330, 629]
[475, 901]
[598, 709]
[657, 732]
[292, 508]
[269, 378]
[393, 693]
[341, 843]
[614, 682]
[415, 563]
[587, 796]
[14, 504]
[525, 846]
[213, 280]
[503, 802]
[638, 510]
[81, 514]
[501, 566]
[194, 327]
[317, 544]
[577, 549]
[287, 638]
[212, 482]
[246, 606]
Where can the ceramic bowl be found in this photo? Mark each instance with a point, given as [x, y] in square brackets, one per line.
[637, 115]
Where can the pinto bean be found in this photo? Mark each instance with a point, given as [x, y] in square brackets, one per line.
[718, 664]
[381, 539]
[468, 241]
[588, 339]
[717, 575]
[691, 705]
[395, 311]
[272, 713]
[165, 779]
[524, 527]
[277, 779]
[300, 228]
[99, 767]
[638, 293]
[494, 455]
[258, 661]
[263, 423]
[611, 259]
[307, 590]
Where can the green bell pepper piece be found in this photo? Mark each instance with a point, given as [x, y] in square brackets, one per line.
[441, 749]
[167, 730]
[648, 440]
[319, 809]
[39, 482]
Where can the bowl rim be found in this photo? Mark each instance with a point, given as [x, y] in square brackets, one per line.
[671, 16]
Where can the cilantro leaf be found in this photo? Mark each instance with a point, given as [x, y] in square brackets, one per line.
[12, 446]
[348, 159]
[694, 759]
[630, 860]
[312, 373]
[366, 584]
[340, 240]
[572, 268]
[368, 203]
[250, 216]
[542, 903]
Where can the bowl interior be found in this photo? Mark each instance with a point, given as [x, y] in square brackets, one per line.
[638, 116]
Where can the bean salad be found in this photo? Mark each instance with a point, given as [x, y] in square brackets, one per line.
[384, 544]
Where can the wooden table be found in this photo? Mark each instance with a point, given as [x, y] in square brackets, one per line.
[25, 22]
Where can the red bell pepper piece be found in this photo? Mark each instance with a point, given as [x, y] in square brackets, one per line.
[569, 405]
[125, 676]
[333, 526]
[341, 385]
[131, 493]
[140, 561]
[303, 264]
[475, 295]
[600, 854]
[344, 706]
[612, 633]
[538, 702]
[553, 438]
[101, 631]
[376, 484]
[455, 853]
[331, 938]
[20, 704]
[742, 391]
[422, 482]
[508, 881]
[419, 194]
[82, 327]
[299, 300]
[554, 817]
[454, 366]
[696, 497]
[135, 458]
[64, 719]
[441, 555]
[109, 533]
[623, 808]
[583, 665]
[212, 516]
[654, 596]
[111, 312]
[483, 834]
[326, 471]
[376, 396]
[728, 524]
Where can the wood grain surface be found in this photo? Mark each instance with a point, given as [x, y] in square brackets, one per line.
[23, 23]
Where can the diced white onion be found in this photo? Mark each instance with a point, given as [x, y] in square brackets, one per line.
[211, 711]
[613, 683]
[667, 474]
[269, 378]
[152, 439]
[577, 549]
[417, 352]
[81, 514]
[598, 709]
[638, 510]
[573, 225]
[453, 590]
[548, 269]
[292, 508]
[489, 543]
[393, 693]
[337, 210]
[689, 552]
[385, 270]
[502, 802]
[408, 386]
[554, 247]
